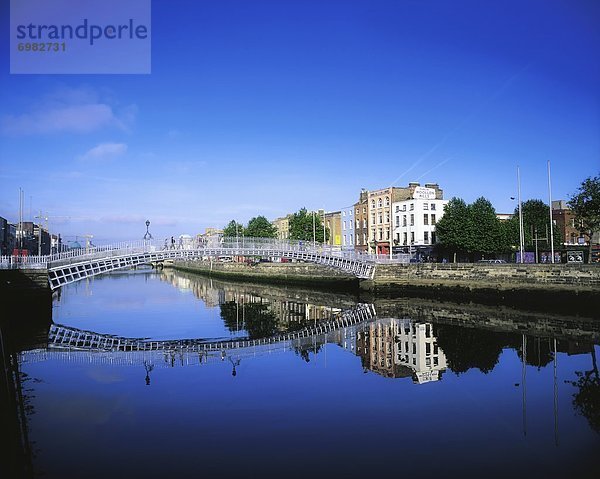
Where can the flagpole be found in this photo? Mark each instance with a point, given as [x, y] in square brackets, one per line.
[551, 221]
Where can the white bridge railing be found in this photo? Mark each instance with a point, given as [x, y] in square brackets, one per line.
[236, 246]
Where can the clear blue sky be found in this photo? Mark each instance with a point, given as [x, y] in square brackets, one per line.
[262, 107]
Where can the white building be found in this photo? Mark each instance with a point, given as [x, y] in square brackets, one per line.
[415, 219]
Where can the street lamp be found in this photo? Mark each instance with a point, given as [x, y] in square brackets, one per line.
[147, 235]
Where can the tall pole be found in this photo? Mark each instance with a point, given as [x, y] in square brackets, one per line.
[324, 235]
[40, 234]
[20, 242]
[314, 231]
[391, 222]
[521, 239]
[551, 220]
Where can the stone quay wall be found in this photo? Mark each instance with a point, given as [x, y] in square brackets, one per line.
[291, 273]
[497, 276]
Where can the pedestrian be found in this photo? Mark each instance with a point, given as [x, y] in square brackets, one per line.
[172, 243]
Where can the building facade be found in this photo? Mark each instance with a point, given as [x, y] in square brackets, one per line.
[333, 223]
[415, 219]
[348, 228]
[283, 227]
[382, 208]
[361, 222]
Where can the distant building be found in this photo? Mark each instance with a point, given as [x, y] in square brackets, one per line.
[7, 237]
[361, 222]
[283, 227]
[333, 222]
[415, 218]
[348, 228]
[384, 203]
[210, 237]
[504, 216]
[564, 220]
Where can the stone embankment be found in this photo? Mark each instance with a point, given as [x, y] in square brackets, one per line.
[309, 274]
[497, 276]
[574, 288]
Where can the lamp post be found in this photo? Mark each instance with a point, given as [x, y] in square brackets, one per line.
[147, 235]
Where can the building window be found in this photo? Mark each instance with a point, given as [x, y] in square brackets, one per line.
[404, 207]
[433, 237]
[425, 219]
[397, 237]
[364, 223]
[397, 208]
[412, 237]
[373, 217]
[403, 220]
[397, 221]
[357, 224]
[380, 234]
[380, 218]
[387, 217]
[412, 220]
[426, 237]
[343, 213]
[387, 235]
[379, 203]
[425, 206]
[405, 239]
[387, 201]
[412, 206]
[365, 209]
[432, 206]
[432, 219]
[357, 211]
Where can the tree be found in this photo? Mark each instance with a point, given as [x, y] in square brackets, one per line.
[487, 237]
[453, 229]
[536, 217]
[260, 227]
[304, 223]
[585, 204]
[233, 229]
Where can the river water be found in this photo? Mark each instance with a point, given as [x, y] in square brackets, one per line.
[166, 374]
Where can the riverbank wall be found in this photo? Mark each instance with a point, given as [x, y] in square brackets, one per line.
[567, 288]
[307, 274]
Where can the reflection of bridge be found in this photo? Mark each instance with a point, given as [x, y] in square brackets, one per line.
[70, 343]
[65, 268]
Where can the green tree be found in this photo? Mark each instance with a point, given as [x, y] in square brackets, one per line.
[454, 230]
[233, 229]
[585, 204]
[536, 218]
[304, 223]
[260, 227]
[487, 237]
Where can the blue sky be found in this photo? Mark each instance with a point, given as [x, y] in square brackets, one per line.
[262, 107]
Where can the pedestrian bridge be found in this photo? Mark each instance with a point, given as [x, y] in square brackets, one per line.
[74, 265]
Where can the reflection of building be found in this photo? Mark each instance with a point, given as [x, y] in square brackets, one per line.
[398, 348]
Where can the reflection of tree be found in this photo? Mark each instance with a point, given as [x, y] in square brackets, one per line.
[304, 352]
[257, 319]
[586, 400]
[467, 348]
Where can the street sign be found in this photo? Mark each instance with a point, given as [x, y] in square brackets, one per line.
[574, 256]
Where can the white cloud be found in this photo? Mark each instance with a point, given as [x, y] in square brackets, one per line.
[104, 152]
[68, 111]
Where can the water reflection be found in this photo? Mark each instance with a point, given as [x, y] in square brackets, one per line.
[419, 365]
